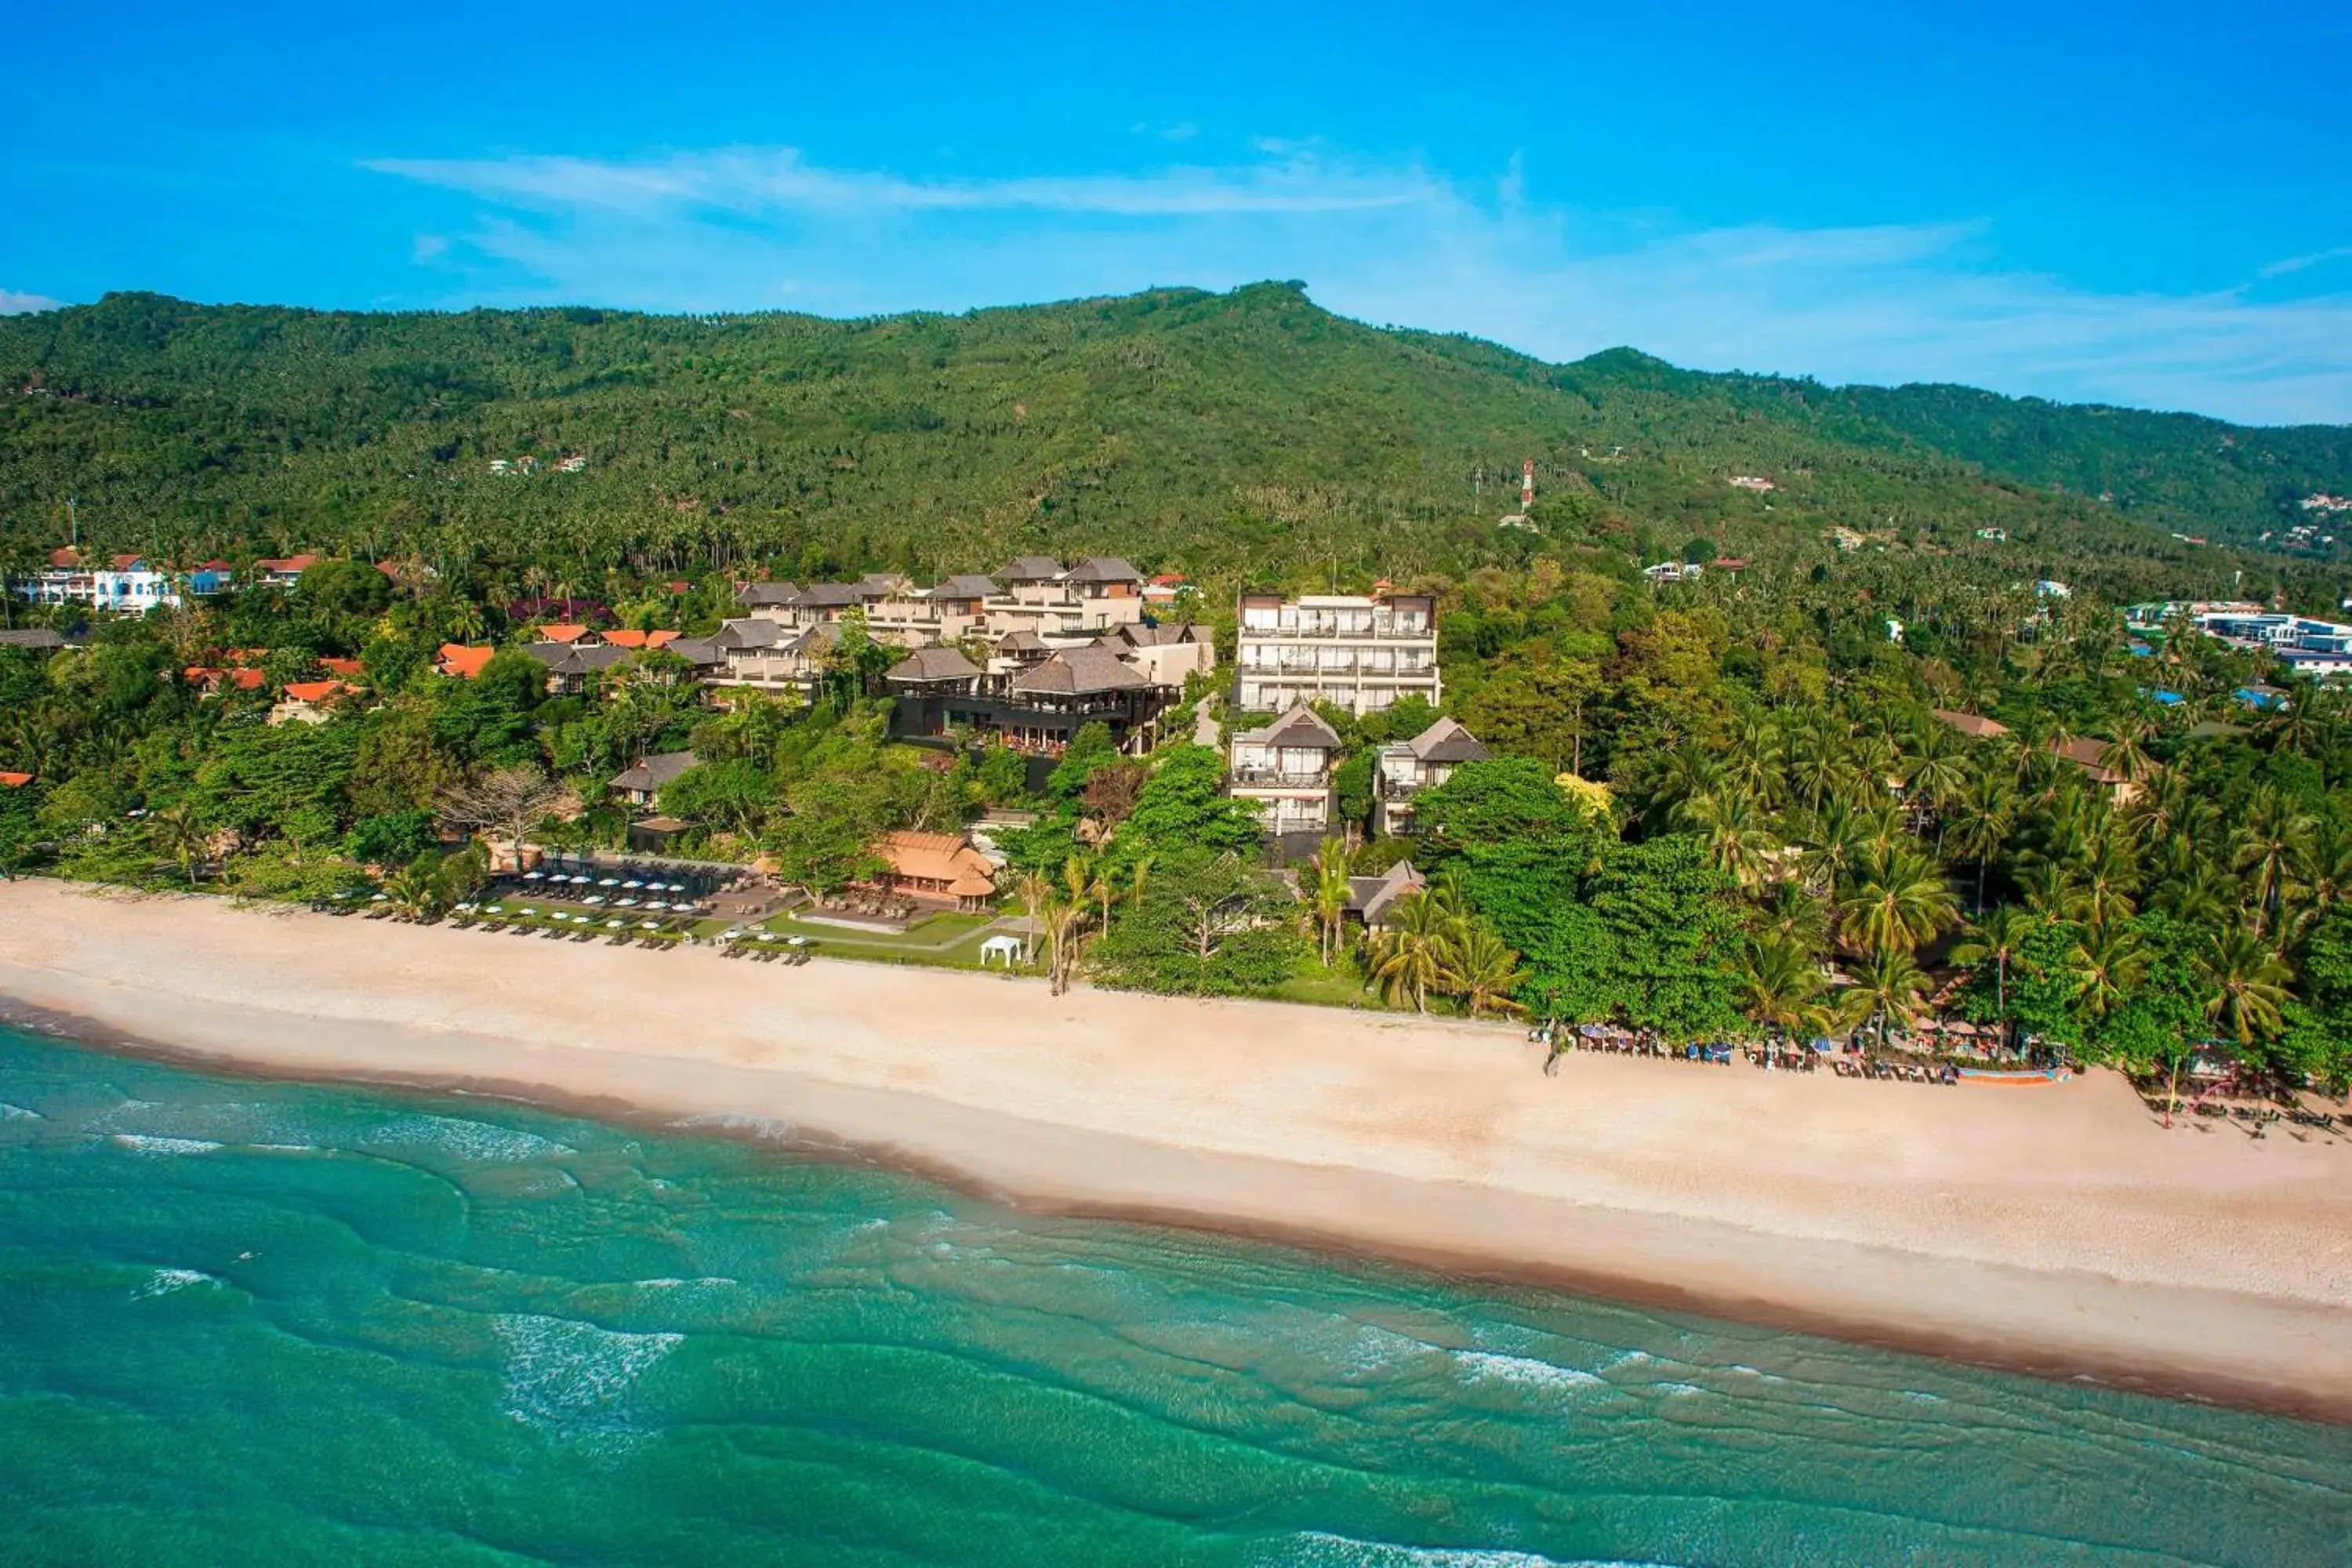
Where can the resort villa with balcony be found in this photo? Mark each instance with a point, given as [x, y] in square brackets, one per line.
[1362, 653]
[1408, 767]
[1285, 771]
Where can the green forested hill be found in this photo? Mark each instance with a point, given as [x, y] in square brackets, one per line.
[1241, 434]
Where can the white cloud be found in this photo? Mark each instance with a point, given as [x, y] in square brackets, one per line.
[13, 303]
[429, 248]
[750, 229]
[756, 180]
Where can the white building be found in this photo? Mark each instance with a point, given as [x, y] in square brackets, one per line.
[1363, 654]
[126, 585]
[1285, 770]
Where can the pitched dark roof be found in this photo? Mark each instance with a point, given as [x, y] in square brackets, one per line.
[652, 773]
[1104, 569]
[1079, 671]
[835, 595]
[965, 586]
[762, 595]
[1023, 641]
[1030, 569]
[1302, 726]
[932, 664]
[697, 651]
[31, 636]
[1141, 636]
[577, 658]
[750, 632]
[1371, 896]
[1448, 742]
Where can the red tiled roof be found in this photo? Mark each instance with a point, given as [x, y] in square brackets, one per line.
[297, 564]
[15, 780]
[314, 690]
[624, 637]
[562, 634]
[346, 667]
[69, 556]
[465, 662]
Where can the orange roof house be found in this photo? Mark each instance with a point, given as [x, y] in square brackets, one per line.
[207, 680]
[566, 634]
[15, 781]
[65, 559]
[937, 868]
[349, 668]
[465, 663]
[306, 702]
[624, 637]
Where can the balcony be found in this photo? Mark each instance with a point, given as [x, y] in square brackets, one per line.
[1281, 778]
[1376, 633]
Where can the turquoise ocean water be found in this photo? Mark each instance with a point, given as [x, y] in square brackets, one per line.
[257, 1322]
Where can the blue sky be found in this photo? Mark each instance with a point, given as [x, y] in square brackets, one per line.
[2147, 204]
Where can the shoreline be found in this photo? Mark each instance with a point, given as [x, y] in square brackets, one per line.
[2057, 1232]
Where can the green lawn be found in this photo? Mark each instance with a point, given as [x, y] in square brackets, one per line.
[946, 940]
[1339, 987]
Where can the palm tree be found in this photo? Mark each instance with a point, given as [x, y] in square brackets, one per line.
[1998, 938]
[2108, 962]
[1830, 840]
[1895, 900]
[1738, 835]
[2053, 889]
[1982, 814]
[1408, 958]
[1781, 986]
[2110, 874]
[414, 889]
[2269, 844]
[1483, 969]
[1886, 988]
[1332, 892]
[2248, 982]
[184, 837]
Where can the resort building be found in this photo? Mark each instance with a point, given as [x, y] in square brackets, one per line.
[645, 780]
[909, 617]
[1031, 704]
[308, 701]
[125, 585]
[1364, 654]
[571, 664]
[762, 654]
[461, 662]
[1285, 770]
[283, 571]
[1370, 899]
[940, 868]
[2303, 646]
[1038, 596]
[1165, 654]
[1408, 767]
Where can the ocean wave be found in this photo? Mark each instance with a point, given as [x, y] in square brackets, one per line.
[148, 1143]
[1318, 1549]
[1526, 1371]
[163, 1281]
[573, 1376]
[18, 1113]
[480, 1142]
[766, 1127]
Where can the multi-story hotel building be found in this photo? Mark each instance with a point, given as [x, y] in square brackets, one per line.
[1364, 654]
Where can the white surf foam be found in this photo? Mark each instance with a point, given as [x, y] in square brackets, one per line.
[163, 1281]
[146, 1143]
[567, 1374]
[1318, 1548]
[18, 1113]
[1526, 1371]
[474, 1141]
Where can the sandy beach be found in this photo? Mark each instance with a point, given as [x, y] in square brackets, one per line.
[2055, 1229]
